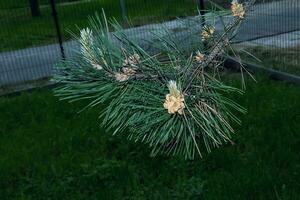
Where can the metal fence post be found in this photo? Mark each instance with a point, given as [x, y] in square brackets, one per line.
[124, 10]
[34, 7]
[57, 27]
[202, 12]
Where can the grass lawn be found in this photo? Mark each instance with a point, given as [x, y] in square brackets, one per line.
[50, 152]
[282, 59]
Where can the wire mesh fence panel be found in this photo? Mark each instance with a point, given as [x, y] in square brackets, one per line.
[274, 35]
[129, 13]
[75, 15]
[29, 49]
[25, 27]
[160, 15]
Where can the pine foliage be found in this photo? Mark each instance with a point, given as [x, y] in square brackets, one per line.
[172, 101]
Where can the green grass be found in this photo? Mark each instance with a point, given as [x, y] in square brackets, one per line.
[20, 30]
[50, 152]
[282, 59]
[6, 4]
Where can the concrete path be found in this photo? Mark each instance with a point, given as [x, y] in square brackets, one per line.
[274, 24]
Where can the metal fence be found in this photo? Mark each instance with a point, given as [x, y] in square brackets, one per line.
[31, 31]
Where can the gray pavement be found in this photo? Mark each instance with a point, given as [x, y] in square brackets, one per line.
[272, 24]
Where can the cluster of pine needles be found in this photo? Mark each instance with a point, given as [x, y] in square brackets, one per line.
[172, 100]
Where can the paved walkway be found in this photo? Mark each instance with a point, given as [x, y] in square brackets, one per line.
[274, 24]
